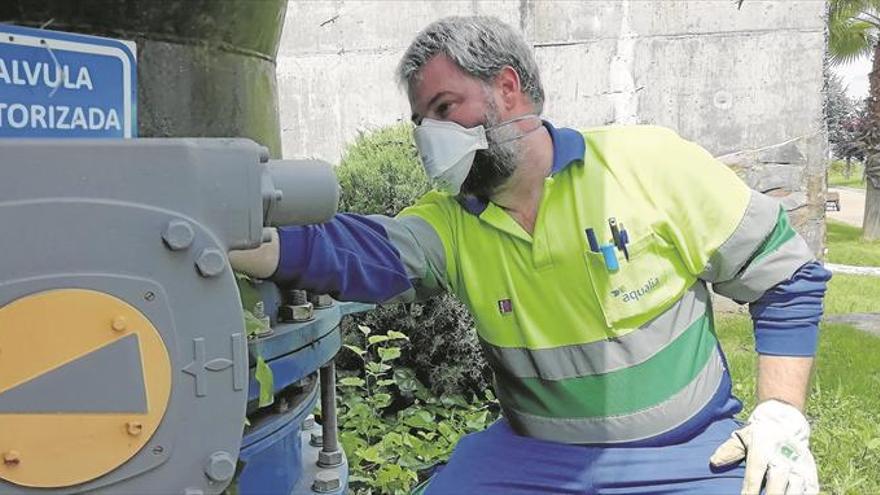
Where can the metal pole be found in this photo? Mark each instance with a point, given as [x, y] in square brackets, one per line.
[330, 449]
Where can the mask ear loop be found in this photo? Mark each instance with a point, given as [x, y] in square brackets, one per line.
[511, 121]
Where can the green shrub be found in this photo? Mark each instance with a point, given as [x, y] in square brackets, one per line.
[380, 173]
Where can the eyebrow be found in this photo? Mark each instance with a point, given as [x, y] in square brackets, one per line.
[416, 117]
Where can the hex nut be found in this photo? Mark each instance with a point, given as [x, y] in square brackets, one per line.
[330, 459]
[316, 439]
[178, 235]
[296, 313]
[220, 466]
[326, 482]
[309, 422]
[211, 262]
[321, 301]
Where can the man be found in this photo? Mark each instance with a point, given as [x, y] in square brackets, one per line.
[584, 257]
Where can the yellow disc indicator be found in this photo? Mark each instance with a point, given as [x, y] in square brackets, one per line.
[85, 379]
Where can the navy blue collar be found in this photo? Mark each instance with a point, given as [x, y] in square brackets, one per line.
[568, 147]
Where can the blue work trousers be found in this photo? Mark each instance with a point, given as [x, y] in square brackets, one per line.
[499, 461]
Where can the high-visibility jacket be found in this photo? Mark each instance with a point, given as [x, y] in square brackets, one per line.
[582, 352]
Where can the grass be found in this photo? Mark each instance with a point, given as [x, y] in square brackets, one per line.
[853, 294]
[843, 408]
[836, 178]
[845, 246]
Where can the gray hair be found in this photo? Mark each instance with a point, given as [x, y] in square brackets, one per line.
[481, 46]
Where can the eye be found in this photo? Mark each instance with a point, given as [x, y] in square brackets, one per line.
[443, 109]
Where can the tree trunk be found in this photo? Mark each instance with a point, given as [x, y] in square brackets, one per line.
[871, 222]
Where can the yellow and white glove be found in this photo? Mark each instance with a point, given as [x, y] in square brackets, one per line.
[775, 444]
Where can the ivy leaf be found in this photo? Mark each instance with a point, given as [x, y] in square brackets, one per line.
[395, 335]
[352, 381]
[382, 400]
[264, 377]
[254, 325]
[364, 329]
[389, 354]
[377, 368]
[355, 349]
[375, 339]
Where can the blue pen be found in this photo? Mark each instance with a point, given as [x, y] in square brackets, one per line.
[624, 240]
[591, 238]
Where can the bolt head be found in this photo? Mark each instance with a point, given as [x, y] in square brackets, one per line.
[134, 428]
[211, 262]
[220, 466]
[178, 235]
[330, 459]
[11, 458]
[326, 482]
[119, 324]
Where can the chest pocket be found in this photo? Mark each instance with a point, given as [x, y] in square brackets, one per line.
[653, 277]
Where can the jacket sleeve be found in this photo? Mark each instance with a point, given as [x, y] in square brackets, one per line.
[742, 242]
[361, 258]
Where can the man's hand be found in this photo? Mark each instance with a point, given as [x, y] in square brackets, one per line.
[260, 262]
[774, 443]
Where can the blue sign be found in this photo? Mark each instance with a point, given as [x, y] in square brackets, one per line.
[55, 84]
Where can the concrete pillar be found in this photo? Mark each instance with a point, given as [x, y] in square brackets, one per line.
[206, 68]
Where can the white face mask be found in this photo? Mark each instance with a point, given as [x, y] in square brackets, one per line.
[447, 149]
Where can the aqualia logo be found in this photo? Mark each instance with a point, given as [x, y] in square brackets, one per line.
[635, 295]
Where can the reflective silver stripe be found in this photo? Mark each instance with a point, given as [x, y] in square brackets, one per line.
[421, 253]
[604, 356]
[768, 271]
[756, 224]
[640, 425]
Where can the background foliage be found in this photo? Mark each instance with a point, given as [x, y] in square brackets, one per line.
[380, 173]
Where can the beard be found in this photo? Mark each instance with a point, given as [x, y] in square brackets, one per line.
[494, 165]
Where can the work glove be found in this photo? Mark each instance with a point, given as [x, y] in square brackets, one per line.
[775, 444]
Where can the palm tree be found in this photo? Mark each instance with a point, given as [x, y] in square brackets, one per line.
[854, 31]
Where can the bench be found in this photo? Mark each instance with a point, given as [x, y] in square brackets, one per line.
[832, 201]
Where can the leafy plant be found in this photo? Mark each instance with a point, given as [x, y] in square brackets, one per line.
[380, 173]
[392, 427]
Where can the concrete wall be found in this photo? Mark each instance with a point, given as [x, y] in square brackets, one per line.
[746, 84]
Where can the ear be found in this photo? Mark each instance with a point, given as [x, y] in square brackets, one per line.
[508, 88]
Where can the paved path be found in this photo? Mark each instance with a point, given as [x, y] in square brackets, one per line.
[867, 322]
[872, 271]
[852, 205]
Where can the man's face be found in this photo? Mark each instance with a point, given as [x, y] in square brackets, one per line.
[445, 92]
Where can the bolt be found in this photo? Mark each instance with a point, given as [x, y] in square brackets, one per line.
[264, 154]
[326, 482]
[296, 313]
[134, 428]
[220, 467]
[316, 439]
[11, 458]
[321, 301]
[211, 262]
[296, 297]
[329, 459]
[158, 450]
[309, 422]
[119, 324]
[178, 235]
[149, 296]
